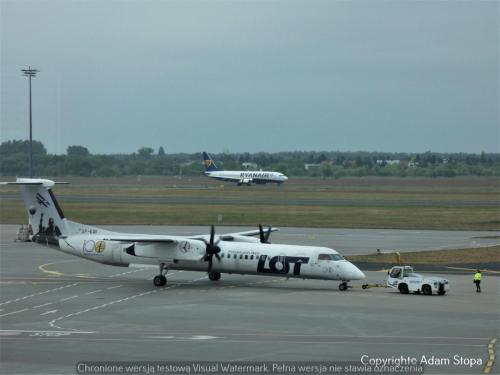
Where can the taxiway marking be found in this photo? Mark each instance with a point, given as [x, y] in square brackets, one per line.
[37, 294]
[491, 356]
[129, 272]
[19, 331]
[92, 292]
[14, 312]
[45, 304]
[48, 312]
[53, 322]
[57, 273]
[68, 298]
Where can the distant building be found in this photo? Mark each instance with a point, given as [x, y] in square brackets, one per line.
[388, 162]
[308, 166]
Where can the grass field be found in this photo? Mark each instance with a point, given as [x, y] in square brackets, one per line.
[400, 203]
[436, 257]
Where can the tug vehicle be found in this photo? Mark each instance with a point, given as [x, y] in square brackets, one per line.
[404, 279]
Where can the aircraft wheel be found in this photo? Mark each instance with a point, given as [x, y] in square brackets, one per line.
[343, 286]
[160, 280]
[403, 289]
[426, 289]
[214, 276]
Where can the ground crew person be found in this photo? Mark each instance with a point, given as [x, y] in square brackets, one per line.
[477, 281]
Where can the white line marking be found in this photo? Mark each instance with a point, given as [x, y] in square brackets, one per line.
[68, 298]
[53, 324]
[37, 294]
[14, 312]
[94, 291]
[29, 331]
[114, 287]
[45, 304]
[127, 273]
[49, 312]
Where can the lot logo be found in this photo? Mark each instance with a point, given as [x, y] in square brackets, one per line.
[280, 264]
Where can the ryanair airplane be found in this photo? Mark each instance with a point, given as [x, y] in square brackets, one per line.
[241, 177]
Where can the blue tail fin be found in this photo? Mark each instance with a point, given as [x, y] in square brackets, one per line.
[209, 163]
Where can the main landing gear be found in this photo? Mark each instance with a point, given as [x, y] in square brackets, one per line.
[343, 286]
[214, 276]
[161, 279]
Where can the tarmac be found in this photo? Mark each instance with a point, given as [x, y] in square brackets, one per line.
[57, 311]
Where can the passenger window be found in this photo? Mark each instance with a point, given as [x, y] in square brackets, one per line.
[241, 256]
[234, 256]
[251, 257]
[246, 256]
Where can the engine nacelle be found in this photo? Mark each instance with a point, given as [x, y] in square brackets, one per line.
[246, 181]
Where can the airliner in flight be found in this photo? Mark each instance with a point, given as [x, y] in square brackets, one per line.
[241, 177]
[233, 253]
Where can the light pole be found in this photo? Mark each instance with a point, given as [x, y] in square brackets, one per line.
[30, 73]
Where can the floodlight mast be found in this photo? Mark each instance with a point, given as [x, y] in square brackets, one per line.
[30, 73]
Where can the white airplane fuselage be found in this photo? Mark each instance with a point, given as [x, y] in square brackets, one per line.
[235, 257]
[248, 177]
[237, 253]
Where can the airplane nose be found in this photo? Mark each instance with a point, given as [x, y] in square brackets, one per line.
[355, 273]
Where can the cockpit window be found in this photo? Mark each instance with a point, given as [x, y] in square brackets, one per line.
[330, 257]
[395, 273]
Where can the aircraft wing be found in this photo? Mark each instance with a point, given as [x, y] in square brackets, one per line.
[237, 236]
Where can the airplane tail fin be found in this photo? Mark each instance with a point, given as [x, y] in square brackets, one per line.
[46, 218]
[209, 163]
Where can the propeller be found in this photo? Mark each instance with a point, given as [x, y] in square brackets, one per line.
[264, 237]
[211, 249]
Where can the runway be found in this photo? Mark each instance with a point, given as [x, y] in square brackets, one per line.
[283, 201]
[57, 310]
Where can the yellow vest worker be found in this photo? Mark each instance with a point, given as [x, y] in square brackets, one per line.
[477, 281]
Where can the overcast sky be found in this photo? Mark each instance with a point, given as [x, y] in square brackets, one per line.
[253, 75]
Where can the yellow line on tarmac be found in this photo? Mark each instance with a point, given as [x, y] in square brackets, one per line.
[57, 273]
[491, 356]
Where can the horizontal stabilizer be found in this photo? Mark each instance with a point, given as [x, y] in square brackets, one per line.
[34, 181]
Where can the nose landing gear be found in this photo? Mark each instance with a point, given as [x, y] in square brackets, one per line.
[343, 286]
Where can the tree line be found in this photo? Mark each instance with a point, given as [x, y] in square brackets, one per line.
[78, 161]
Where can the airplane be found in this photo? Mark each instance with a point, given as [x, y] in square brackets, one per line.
[237, 253]
[241, 177]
